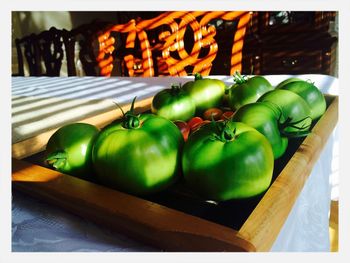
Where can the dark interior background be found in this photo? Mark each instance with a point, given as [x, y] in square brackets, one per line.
[276, 42]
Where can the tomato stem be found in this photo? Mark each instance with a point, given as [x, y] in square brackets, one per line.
[223, 132]
[175, 88]
[310, 81]
[130, 119]
[238, 78]
[198, 76]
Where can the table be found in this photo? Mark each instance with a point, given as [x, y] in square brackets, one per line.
[40, 104]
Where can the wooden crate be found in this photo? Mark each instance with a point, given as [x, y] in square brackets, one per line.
[175, 221]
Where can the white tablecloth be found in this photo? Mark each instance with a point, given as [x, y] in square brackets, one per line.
[42, 103]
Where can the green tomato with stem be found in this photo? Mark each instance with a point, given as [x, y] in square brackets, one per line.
[267, 119]
[227, 160]
[247, 90]
[311, 94]
[69, 149]
[205, 92]
[138, 154]
[173, 104]
[295, 110]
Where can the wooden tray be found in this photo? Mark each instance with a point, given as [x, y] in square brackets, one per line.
[176, 220]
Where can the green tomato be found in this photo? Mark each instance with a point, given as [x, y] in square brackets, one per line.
[296, 111]
[286, 81]
[173, 104]
[226, 95]
[139, 155]
[247, 91]
[69, 149]
[205, 92]
[267, 119]
[228, 161]
[311, 94]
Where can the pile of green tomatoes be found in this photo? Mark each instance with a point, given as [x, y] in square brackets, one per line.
[220, 140]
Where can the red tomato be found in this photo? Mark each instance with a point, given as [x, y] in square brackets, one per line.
[212, 112]
[194, 122]
[184, 128]
[200, 125]
[227, 115]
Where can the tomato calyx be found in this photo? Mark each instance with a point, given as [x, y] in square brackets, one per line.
[175, 88]
[310, 81]
[57, 159]
[223, 132]
[301, 130]
[287, 123]
[238, 78]
[130, 120]
[198, 76]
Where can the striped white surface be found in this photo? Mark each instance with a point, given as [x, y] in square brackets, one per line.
[43, 103]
